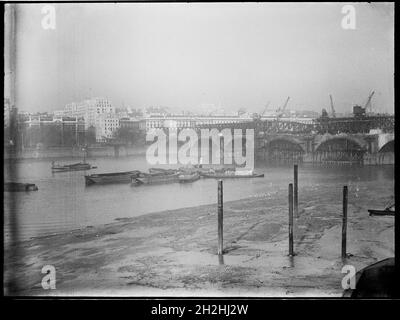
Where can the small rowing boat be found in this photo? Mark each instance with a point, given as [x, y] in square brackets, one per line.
[188, 177]
[155, 179]
[19, 187]
[113, 177]
[388, 211]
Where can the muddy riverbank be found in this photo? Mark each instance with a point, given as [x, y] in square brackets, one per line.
[174, 252]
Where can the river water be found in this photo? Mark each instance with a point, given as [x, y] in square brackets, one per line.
[63, 202]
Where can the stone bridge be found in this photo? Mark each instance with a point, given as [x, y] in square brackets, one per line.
[344, 148]
[362, 140]
[369, 140]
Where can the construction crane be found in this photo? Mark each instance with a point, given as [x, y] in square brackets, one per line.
[281, 110]
[257, 116]
[368, 104]
[265, 109]
[332, 108]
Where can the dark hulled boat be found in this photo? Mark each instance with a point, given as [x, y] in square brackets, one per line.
[113, 177]
[188, 177]
[155, 179]
[161, 171]
[72, 167]
[388, 211]
[19, 187]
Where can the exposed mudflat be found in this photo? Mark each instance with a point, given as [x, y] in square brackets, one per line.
[173, 253]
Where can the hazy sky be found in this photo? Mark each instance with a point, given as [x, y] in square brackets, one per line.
[185, 55]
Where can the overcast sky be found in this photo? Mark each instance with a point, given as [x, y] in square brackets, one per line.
[187, 55]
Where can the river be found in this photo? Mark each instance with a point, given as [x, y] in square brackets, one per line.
[63, 202]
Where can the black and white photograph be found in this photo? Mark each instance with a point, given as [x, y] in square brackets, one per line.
[192, 149]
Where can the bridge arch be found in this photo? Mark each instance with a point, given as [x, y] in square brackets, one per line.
[344, 149]
[284, 149]
[386, 153]
[295, 143]
[387, 147]
[353, 141]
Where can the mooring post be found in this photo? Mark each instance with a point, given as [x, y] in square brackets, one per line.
[291, 219]
[220, 219]
[344, 226]
[296, 190]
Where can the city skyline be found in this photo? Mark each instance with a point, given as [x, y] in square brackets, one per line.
[206, 110]
[188, 55]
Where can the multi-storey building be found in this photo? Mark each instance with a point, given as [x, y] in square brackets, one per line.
[7, 111]
[106, 125]
[52, 130]
[169, 122]
[132, 123]
[180, 121]
[60, 113]
[89, 110]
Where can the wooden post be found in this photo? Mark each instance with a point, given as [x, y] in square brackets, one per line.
[220, 218]
[76, 131]
[62, 133]
[344, 226]
[291, 219]
[296, 200]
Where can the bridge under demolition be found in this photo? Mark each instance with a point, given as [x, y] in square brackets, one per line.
[366, 140]
[343, 148]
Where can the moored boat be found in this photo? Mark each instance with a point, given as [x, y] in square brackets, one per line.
[232, 175]
[209, 169]
[19, 187]
[72, 167]
[388, 211]
[161, 171]
[155, 179]
[188, 177]
[113, 177]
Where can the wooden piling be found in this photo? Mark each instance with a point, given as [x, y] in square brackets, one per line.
[344, 225]
[291, 219]
[296, 200]
[220, 218]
